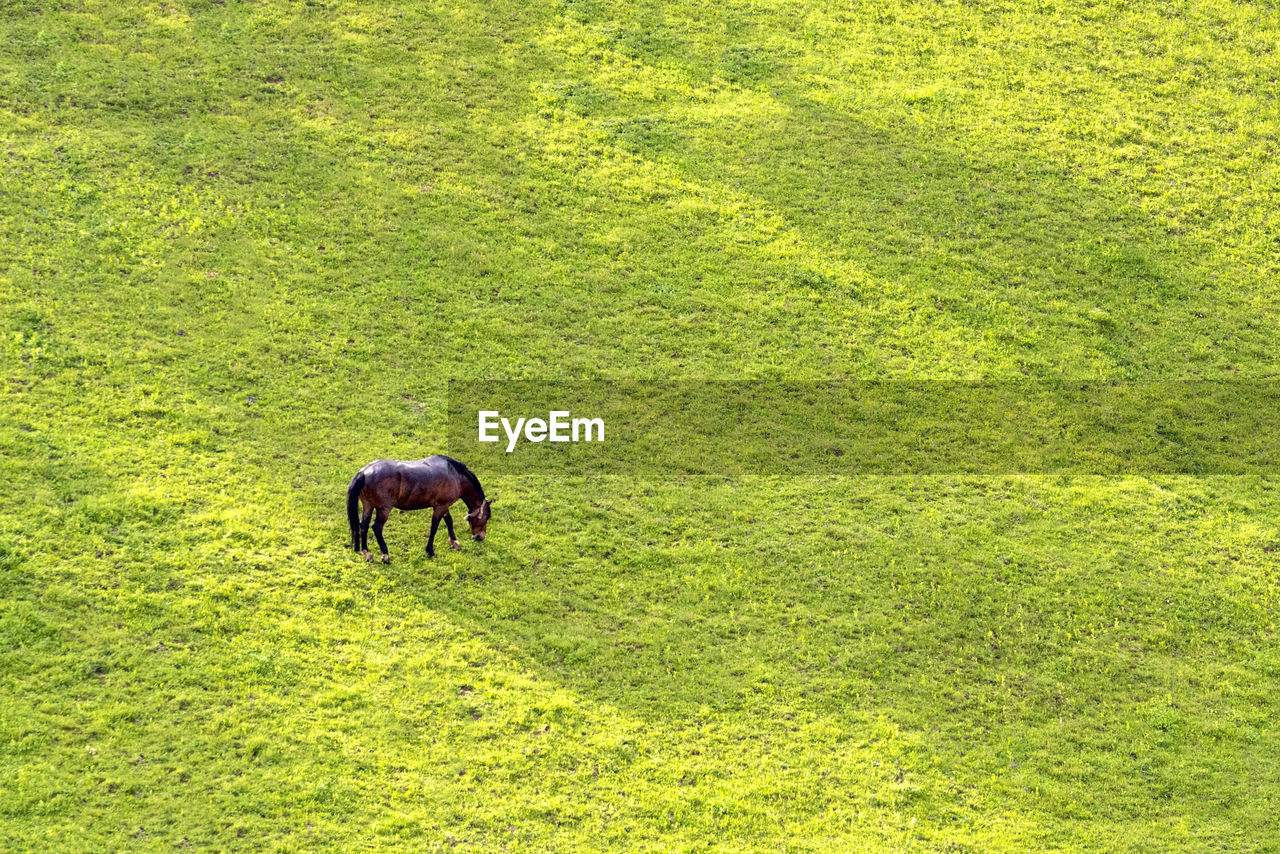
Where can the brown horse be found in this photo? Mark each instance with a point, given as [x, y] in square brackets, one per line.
[435, 482]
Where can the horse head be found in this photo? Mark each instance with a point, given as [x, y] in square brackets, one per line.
[479, 519]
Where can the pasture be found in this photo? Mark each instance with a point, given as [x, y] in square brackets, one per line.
[244, 246]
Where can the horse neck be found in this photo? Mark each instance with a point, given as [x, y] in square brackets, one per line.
[470, 495]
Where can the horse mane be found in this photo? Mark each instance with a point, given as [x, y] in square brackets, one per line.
[466, 472]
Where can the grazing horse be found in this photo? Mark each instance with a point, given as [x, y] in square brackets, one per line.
[435, 482]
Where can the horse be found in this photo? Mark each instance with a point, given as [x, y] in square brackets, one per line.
[436, 482]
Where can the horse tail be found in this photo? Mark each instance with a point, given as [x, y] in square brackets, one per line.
[353, 508]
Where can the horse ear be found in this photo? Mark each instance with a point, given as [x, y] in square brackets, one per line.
[490, 500]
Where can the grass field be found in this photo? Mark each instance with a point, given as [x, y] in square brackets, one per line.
[245, 246]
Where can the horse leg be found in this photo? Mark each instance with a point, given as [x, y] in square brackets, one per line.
[448, 523]
[378, 522]
[435, 523]
[364, 533]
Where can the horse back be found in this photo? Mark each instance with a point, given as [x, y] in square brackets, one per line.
[410, 484]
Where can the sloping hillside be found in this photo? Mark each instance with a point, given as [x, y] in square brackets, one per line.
[244, 247]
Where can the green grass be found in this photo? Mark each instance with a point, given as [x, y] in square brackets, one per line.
[243, 248]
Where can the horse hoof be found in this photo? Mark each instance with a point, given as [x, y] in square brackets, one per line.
[454, 544]
[386, 558]
[367, 556]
